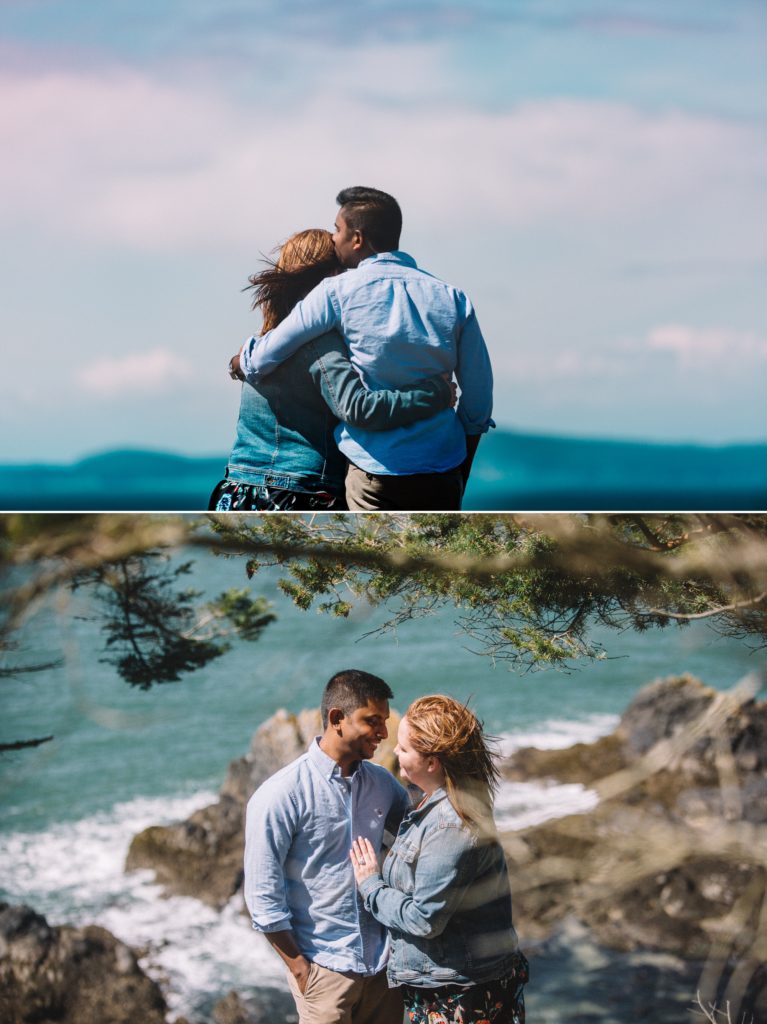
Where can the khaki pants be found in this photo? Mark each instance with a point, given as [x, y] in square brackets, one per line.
[421, 492]
[343, 997]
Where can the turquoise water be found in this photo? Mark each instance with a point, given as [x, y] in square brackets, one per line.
[123, 759]
[511, 470]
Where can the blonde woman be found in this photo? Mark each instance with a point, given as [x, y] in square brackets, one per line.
[285, 455]
[444, 891]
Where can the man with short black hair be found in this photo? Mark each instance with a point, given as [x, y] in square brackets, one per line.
[299, 883]
[401, 324]
[374, 214]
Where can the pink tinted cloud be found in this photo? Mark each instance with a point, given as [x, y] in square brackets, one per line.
[124, 158]
[711, 351]
[137, 373]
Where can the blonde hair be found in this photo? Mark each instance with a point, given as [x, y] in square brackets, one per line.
[444, 728]
[302, 262]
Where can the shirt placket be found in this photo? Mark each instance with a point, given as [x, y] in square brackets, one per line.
[346, 789]
[354, 793]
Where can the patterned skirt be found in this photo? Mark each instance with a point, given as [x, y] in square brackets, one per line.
[493, 1002]
[229, 496]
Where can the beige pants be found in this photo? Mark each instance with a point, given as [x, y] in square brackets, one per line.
[423, 492]
[343, 997]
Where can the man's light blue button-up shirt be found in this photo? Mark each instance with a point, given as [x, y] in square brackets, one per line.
[401, 324]
[298, 833]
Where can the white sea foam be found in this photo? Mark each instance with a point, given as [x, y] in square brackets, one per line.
[195, 952]
[74, 874]
[79, 865]
[522, 804]
[558, 733]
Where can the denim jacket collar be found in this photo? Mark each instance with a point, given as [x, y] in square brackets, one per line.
[426, 805]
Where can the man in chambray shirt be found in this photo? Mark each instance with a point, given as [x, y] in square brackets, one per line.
[401, 324]
[299, 882]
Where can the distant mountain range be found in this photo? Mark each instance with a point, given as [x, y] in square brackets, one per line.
[518, 472]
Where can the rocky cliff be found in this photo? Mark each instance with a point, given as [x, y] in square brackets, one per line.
[673, 857]
[70, 975]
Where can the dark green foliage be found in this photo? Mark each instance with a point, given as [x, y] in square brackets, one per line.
[526, 589]
[154, 630]
[249, 616]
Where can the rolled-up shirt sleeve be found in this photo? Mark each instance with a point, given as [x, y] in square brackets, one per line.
[312, 316]
[270, 824]
[474, 375]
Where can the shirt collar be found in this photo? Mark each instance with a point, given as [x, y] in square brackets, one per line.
[324, 762]
[395, 256]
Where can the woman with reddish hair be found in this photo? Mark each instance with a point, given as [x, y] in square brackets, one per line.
[443, 892]
[285, 455]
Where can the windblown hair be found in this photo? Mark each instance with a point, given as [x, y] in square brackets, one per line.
[373, 212]
[448, 730]
[303, 261]
[351, 689]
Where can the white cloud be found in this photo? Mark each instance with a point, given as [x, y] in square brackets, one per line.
[124, 158]
[138, 373]
[668, 348]
[708, 347]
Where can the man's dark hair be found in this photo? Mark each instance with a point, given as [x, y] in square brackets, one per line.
[376, 214]
[352, 689]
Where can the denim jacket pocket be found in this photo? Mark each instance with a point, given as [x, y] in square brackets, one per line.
[401, 866]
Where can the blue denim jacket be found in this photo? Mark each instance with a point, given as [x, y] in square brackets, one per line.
[445, 898]
[286, 422]
[400, 324]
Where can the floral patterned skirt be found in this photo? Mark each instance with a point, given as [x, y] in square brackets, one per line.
[493, 1002]
[229, 496]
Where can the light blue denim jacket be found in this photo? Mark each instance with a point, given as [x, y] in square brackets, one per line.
[285, 430]
[298, 832]
[400, 324]
[444, 896]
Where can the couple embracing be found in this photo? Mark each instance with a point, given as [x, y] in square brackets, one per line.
[349, 398]
[426, 931]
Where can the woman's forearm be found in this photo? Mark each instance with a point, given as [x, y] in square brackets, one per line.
[381, 409]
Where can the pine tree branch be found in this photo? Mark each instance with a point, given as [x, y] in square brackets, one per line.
[709, 613]
[21, 744]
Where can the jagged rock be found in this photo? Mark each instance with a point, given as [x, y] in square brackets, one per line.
[691, 788]
[270, 1004]
[660, 709]
[280, 740]
[624, 868]
[583, 762]
[588, 865]
[202, 857]
[70, 975]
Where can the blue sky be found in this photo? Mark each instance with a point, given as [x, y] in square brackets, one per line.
[593, 174]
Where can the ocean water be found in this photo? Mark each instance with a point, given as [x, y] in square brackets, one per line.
[123, 759]
[511, 470]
